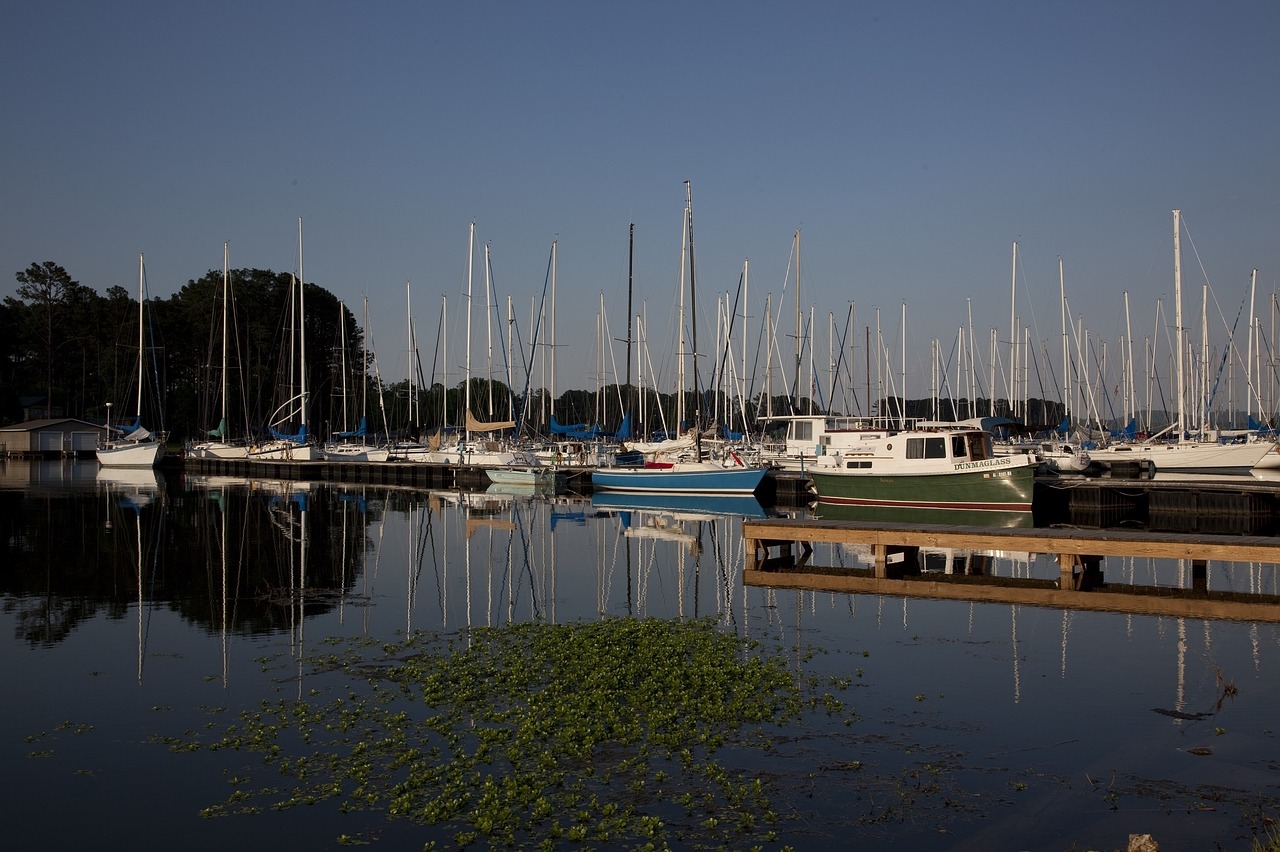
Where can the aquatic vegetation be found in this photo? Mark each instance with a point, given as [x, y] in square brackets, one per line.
[608, 732]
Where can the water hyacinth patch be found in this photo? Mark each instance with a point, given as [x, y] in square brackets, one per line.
[585, 733]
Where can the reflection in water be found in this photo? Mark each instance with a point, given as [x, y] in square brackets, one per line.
[168, 576]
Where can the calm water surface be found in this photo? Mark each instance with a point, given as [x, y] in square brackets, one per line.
[138, 606]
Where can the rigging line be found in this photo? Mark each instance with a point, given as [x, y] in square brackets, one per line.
[537, 325]
[1226, 353]
[718, 377]
[502, 345]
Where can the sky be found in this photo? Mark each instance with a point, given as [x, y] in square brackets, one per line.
[910, 143]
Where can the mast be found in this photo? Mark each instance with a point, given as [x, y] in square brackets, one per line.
[1013, 334]
[342, 354]
[1066, 358]
[1130, 404]
[1248, 374]
[471, 251]
[552, 401]
[488, 325]
[799, 327]
[693, 321]
[631, 258]
[364, 369]
[226, 287]
[142, 277]
[302, 337]
[1177, 318]
[682, 352]
[902, 408]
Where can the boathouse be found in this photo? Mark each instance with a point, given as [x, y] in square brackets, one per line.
[51, 437]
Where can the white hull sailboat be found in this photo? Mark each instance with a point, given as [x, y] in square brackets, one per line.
[1182, 454]
[138, 447]
[1194, 456]
[217, 445]
[298, 447]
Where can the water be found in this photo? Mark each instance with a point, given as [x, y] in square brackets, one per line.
[144, 607]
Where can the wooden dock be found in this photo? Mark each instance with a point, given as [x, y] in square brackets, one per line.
[779, 551]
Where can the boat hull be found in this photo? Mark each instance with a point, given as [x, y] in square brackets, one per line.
[285, 451]
[683, 505]
[356, 453]
[533, 477]
[218, 450]
[131, 454]
[1195, 456]
[679, 479]
[996, 489]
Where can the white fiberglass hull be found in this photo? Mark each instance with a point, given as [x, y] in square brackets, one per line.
[131, 454]
[284, 451]
[218, 450]
[1194, 456]
[356, 453]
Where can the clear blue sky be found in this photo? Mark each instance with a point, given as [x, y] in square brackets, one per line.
[910, 142]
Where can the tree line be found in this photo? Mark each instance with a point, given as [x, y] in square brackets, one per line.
[73, 350]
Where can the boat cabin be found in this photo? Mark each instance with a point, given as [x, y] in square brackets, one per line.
[915, 450]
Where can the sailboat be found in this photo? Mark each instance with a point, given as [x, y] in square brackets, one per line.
[297, 447]
[695, 476]
[353, 444]
[135, 446]
[217, 444]
[1183, 453]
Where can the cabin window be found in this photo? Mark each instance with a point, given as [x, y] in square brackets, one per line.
[926, 448]
[856, 465]
[978, 446]
[802, 430]
[957, 446]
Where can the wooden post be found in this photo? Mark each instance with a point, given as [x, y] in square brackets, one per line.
[1067, 565]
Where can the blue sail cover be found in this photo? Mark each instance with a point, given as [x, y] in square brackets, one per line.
[360, 431]
[1065, 426]
[1129, 432]
[576, 431]
[558, 429]
[300, 438]
[624, 428]
[123, 430]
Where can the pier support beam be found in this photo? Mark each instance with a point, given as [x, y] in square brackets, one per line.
[1079, 572]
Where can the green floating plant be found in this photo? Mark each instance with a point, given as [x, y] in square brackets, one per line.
[602, 732]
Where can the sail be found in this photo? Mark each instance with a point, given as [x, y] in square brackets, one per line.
[138, 434]
[474, 425]
[221, 431]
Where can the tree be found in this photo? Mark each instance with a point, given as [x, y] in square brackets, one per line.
[48, 289]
